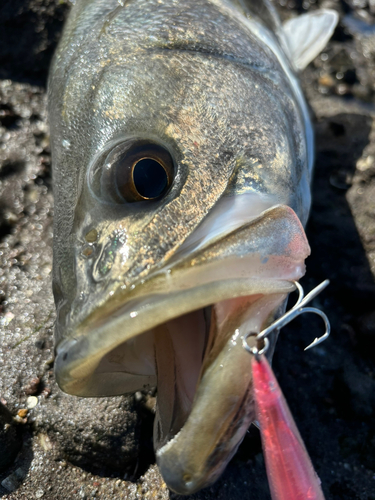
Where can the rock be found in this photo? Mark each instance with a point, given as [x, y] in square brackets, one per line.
[10, 438]
[10, 483]
[96, 433]
[13, 481]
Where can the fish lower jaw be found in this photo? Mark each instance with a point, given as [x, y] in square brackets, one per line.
[194, 453]
[184, 471]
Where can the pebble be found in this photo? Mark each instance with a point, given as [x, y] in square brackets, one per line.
[342, 89]
[46, 392]
[150, 403]
[45, 442]
[326, 80]
[22, 412]
[138, 396]
[31, 402]
[32, 387]
[49, 362]
[364, 164]
[20, 420]
[39, 493]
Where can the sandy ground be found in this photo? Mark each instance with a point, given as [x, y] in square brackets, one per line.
[76, 448]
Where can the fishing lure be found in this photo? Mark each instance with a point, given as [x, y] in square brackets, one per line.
[290, 473]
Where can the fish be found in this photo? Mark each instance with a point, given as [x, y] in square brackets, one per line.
[182, 151]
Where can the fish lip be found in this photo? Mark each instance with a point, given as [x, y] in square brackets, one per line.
[76, 359]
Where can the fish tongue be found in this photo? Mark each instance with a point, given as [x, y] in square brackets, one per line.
[223, 405]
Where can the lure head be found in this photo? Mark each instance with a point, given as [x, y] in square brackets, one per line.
[180, 178]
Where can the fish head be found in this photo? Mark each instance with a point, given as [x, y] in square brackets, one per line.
[180, 185]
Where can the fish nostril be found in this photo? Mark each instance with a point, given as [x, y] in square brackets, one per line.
[91, 236]
[87, 251]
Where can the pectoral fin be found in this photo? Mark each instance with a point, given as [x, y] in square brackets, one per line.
[307, 35]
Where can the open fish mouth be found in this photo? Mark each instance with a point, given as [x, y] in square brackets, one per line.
[181, 329]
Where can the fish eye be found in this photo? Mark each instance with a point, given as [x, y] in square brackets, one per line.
[134, 171]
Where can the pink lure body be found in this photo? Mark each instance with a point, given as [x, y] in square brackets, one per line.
[290, 473]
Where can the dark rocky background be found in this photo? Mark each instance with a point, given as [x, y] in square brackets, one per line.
[83, 448]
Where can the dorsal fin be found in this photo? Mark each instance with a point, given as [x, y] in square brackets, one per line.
[307, 35]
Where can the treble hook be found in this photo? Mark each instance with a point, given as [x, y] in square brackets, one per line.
[289, 316]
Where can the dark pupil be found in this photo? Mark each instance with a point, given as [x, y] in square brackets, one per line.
[150, 178]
